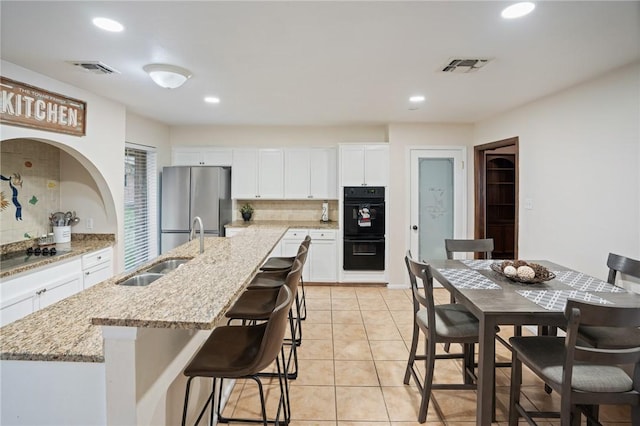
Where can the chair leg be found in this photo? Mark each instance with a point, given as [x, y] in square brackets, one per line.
[514, 397]
[447, 346]
[430, 351]
[412, 353]
[468, 363]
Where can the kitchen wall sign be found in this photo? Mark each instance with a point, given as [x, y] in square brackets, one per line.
[28, 106]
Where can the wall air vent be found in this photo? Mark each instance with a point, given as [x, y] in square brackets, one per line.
[465, 65]
[95, 67]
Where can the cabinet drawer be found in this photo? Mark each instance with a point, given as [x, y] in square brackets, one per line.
[322, 235]
[295, 234]
[97, 274]
[97, 257]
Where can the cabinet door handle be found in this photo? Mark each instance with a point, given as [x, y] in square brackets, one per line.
[414, 227]
[87, 273]
[99, 257]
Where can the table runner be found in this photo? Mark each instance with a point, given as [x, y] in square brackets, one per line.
[584, 282]
[556, 300]
[468, 279]
[479, 264]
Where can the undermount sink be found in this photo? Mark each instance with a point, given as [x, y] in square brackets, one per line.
[141, 279]
[167, 266]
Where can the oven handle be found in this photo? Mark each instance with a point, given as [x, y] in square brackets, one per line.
[353, 240]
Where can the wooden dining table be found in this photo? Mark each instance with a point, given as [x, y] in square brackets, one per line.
[498, 301]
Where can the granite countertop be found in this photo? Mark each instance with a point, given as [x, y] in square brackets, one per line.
[78, 247]
[194, 296]
[310, 224]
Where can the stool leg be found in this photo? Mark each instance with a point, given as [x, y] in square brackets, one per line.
[186, 402]
[304, 300]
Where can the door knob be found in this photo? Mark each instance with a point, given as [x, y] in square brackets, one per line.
[414, 227]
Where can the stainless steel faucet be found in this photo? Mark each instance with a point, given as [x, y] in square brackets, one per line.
[198, 221]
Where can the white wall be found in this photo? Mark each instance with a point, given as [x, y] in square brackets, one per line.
[144, 131]
[401, 137]
[275, 136]
[580, 165]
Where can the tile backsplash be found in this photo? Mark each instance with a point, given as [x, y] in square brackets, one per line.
[30, 188]
[288, 209]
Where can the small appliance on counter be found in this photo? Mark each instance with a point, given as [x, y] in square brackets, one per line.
[324, 217]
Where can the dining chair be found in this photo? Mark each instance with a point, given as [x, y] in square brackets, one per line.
[235, 352]
[605, 337]
[448, 323]
[584, 377]
[483, 246]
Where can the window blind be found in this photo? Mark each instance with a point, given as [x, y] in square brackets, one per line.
[140, 206]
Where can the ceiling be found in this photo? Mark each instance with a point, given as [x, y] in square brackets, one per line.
[322, 63]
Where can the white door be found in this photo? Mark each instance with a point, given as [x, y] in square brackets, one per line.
[437, 206]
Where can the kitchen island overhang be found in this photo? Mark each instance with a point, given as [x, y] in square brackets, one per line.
[137, 338]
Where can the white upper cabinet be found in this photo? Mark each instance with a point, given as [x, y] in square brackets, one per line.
[257, 173]
[296, 174]
[364, 165]
[270, 173]
[201, 156]
[310, 173]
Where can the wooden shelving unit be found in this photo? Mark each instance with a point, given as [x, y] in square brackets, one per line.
[501, 203]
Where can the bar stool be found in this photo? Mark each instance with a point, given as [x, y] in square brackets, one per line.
[256, 305]
[242, 352]
[281, 264]
[274, 279]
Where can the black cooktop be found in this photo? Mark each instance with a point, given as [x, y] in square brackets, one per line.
[31, 255]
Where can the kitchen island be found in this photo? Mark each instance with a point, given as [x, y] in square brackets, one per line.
[114, 354]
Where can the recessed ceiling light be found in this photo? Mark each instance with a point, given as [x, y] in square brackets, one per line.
[212, 100]
[416, 99]
[108, 24]
[518, 10]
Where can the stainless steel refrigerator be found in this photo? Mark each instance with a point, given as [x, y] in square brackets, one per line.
[188, 192]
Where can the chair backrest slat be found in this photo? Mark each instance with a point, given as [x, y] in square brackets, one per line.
[484, 245]
[595, 314]
[624, 265]
[421, 271]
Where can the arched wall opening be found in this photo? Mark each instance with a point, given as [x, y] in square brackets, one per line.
[50, 176]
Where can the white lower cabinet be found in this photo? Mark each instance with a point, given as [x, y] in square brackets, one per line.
[230, 232]
[322, 260]
[289, 247]
[97, 267]
[321, 264]
[35, 290]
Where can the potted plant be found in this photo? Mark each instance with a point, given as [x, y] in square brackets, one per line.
[246, 210]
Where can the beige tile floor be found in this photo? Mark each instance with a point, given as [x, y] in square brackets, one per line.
[352, 363]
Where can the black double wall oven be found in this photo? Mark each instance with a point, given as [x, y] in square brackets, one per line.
[364, 228]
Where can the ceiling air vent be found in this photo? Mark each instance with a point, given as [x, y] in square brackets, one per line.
[464, 65]
[95, 67]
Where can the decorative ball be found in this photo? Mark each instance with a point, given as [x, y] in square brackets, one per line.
[526, 273]
[510, 271]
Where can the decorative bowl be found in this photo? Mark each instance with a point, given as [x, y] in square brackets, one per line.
[542, 274]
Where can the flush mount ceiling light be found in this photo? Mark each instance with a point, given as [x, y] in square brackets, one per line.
[416, 99]
[167, 76]
[108, 24]
[212, 100]
[518, 10]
